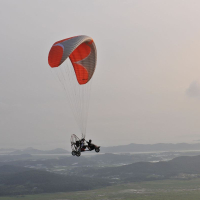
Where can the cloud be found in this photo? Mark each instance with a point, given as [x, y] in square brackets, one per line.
[193, 90]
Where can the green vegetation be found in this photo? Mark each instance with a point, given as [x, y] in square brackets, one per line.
[175, 179]
[150, 190]
[17, 180]
[20, 181]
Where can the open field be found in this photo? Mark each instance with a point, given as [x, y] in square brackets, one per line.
[151, 190]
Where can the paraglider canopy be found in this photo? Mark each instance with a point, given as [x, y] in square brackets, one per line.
[75, 73]
[82, 52]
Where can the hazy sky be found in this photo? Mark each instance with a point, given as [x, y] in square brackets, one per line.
[146, 86]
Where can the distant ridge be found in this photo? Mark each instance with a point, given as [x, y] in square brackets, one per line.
[181, 167]
[7, 150]
[31, 150]
[151, 147]
[116, 149]
[17, 180]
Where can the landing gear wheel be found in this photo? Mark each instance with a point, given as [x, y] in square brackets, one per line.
[73, 153]
[78, 153]
[97, 150]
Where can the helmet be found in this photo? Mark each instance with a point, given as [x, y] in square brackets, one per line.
[90, 141]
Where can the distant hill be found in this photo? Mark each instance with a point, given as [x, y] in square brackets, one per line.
[141, 171]
[7, 169]
[115, 149]
[51, 163]
[31, 150]
[8, 157]
[17, 180]
[151, 147]
[7, 150]
[20, 180]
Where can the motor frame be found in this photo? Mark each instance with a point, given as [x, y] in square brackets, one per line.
[76, 149]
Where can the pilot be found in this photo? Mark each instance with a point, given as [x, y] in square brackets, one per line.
[82, 142]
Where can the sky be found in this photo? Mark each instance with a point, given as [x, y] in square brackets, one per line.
[146, 87]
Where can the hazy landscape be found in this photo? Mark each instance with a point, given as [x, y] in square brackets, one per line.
[146, 171]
